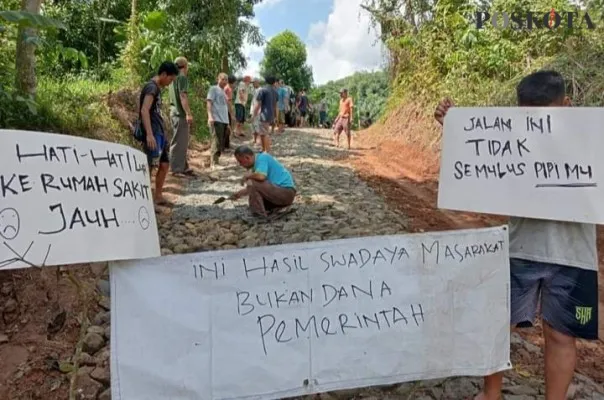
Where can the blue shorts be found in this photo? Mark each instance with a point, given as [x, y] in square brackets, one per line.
[567, 296]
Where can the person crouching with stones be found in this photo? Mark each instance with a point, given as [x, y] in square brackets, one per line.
[269, 185]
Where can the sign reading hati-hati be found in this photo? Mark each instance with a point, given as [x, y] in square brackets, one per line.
[273, 322]
[535, 162]
[66, 200]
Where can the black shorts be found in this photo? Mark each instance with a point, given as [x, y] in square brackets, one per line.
[240, 113]
[303, 114]
[568, 297]
[163, 158]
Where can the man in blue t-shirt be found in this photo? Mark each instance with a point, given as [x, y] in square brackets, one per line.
[269, 185]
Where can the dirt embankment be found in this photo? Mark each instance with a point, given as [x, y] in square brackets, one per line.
[400, 159]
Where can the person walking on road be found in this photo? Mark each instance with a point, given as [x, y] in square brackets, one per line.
[182, 120]
[218, 117]
[240, 103]
[152, 127]
[342, 122]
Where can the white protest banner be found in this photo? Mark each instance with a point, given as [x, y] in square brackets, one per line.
[534, 162]
[67, 200]
[288, 320]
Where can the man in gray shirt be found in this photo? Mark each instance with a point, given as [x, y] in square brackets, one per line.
[266, 109]
[218, 116]
[553, 267]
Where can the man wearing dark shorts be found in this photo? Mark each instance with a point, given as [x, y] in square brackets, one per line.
[553, 267]
[240, 103]
[303, 107]
[155, 143]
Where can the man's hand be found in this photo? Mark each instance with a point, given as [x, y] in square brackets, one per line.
[151, 143]
[189, 119]
[442, 109]
[210, 120]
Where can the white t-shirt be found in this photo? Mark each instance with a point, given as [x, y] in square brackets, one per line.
[242, 94]
[564, 243]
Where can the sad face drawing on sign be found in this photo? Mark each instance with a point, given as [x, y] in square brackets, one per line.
[10, 226]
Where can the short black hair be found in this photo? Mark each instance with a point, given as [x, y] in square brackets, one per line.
[232, 79]
[270, 79]
[244, 150]
[540, 89]
[168, 67]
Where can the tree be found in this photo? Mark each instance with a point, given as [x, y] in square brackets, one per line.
[285, 58]
[26, 51]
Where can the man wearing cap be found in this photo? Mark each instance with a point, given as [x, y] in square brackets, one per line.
[182, 118]
[240, 103]
[342, 122]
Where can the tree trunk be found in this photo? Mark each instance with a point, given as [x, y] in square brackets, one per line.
[26, 52]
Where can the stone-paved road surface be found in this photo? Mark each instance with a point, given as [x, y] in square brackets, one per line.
[332, 203]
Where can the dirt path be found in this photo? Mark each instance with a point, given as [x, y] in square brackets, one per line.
[37, 352]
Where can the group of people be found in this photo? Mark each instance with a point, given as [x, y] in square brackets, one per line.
[553, 264]
[269, 186]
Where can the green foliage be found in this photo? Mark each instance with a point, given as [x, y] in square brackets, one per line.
[285, 58]
[442, 53]
[369, 91]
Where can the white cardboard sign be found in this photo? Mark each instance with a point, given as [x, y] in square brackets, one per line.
[534, 162]
[66, 200]
[288, 320]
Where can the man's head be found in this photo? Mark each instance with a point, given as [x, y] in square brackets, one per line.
[232, 80]
[256, 82]
[303, 92]
[542, 89]
[281, 83]
[270, 80]
[222, 80]
[344, 93]
[247, 79]
[245, 156]
[166, 73]
[183, 64]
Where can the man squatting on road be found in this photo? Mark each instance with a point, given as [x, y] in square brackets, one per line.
[269, 185]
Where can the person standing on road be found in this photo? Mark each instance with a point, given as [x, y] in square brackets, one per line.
[303, 107]
[255, 120]
[228, 91]
[152, 128]
[323, 111]
[553, 267]
[266, 110]
[218, 117]
[342, 122]
[240, 103]
[182, 120]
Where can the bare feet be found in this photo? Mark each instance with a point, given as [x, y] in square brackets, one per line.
[161, 201]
